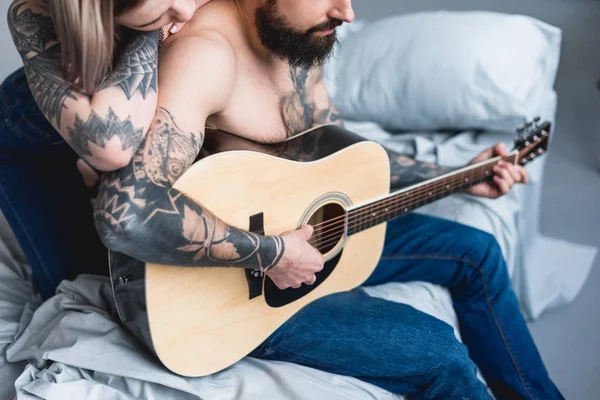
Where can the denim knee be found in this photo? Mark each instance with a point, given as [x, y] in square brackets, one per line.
[451, 360]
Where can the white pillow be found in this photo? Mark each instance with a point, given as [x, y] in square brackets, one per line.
[437, 70]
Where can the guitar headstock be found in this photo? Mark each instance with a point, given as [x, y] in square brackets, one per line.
[532, 140]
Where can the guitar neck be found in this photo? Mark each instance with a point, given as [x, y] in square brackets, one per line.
[409, 199]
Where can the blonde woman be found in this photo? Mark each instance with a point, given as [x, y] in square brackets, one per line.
[87, 91]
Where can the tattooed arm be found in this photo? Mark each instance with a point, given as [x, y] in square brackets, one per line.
[407, 171]
[107, 127]
[139, 213]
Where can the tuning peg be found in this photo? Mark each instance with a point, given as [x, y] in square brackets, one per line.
[520, 133]
[537, 120]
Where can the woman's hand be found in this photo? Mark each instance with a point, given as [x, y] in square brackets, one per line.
[89, 175]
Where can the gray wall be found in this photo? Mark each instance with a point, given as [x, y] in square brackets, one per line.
[9, 58]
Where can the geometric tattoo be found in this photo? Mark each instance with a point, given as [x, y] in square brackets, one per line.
[49, 89]
[31, 32]
[100, 130]
[136, 71]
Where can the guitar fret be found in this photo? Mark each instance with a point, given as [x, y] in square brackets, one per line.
[384, 210]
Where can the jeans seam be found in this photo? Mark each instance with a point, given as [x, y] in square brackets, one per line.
[487, 298]
[21, 225]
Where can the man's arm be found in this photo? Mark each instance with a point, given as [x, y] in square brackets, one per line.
[104, 128]
[405, 170]
[139, 213]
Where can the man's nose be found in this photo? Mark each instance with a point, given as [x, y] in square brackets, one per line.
[183, 10]
[342, 10]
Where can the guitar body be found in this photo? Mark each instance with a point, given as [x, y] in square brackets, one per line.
[199, 321]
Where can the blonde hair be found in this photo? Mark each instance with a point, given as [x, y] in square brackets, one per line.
[86, 32]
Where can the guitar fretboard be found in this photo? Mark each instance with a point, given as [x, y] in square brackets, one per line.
[416, 196]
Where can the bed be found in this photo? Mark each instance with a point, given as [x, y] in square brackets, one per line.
[72, 345]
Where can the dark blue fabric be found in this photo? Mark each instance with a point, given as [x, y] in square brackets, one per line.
[408, 352]
[42, 194]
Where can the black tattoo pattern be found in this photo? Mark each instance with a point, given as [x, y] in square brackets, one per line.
[31, 32]
[297, 107]
[137, 69]
[100, 130]
[175, 149]
[48, 88]
[329, 115]
[407, 171]
[138, 213]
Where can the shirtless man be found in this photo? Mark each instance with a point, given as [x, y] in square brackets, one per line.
[254, 66]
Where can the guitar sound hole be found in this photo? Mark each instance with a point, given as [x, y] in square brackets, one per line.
[328, 222]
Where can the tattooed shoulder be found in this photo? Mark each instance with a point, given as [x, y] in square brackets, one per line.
[32, 31]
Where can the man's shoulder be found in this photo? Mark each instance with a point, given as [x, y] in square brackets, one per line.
[200, 59]
[201, 48]
[216, 23]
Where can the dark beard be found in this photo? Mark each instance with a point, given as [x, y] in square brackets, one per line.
[300, 49]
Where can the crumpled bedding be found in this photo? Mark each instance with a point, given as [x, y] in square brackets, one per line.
[72, 346]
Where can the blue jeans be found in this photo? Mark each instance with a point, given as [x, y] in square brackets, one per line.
[408, 352]
[42, 194]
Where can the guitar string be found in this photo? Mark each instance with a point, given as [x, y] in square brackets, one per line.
[365, 211]
[327, 240]
[401, 200]
[395, 209]
[417, 195]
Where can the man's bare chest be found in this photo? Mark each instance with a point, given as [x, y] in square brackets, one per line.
[267, 108]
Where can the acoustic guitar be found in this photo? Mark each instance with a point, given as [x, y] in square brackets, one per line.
[199, 321]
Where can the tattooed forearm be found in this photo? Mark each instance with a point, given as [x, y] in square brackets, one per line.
[407, 171]
[95, 128]
[137, 68]
[47, 86]
[138, 212]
